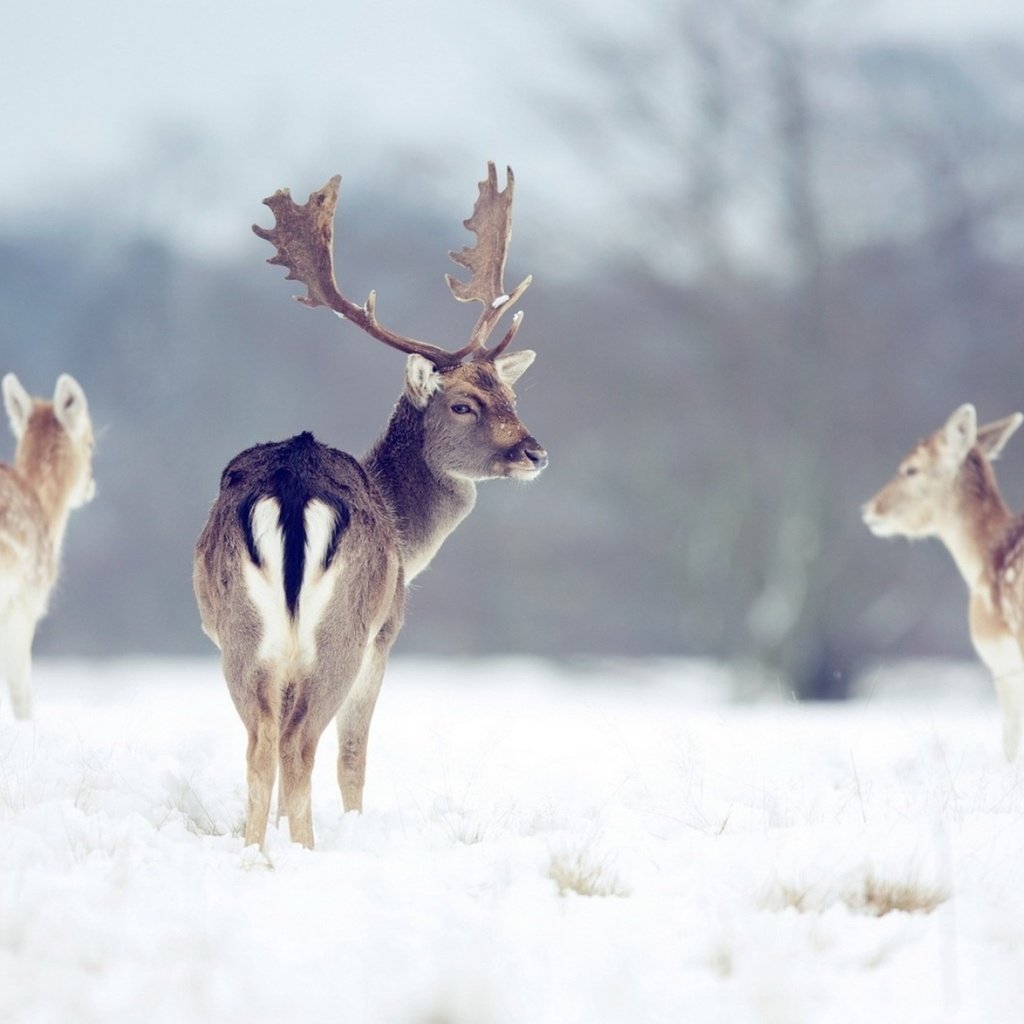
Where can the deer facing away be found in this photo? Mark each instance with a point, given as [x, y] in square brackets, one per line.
[51, 474]
[301, 569]
[946, 488]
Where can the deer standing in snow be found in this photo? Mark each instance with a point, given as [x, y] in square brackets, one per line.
[52, 474]
[301, 569]
[946, 488]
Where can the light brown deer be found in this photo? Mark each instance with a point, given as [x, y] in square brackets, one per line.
[946, 488]
[301, 569]
[52, 474]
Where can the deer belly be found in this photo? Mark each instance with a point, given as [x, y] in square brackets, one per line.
[290, 620]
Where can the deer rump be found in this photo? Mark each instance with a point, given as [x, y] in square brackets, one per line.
[312, 536]
[307, 521]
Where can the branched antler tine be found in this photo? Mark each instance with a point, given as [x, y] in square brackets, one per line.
[491, 222]
[304, 239]
[517, 319]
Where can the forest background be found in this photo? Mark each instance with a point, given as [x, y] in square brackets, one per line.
[774, 242]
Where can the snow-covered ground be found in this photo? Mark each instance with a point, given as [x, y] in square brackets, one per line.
[607, 844]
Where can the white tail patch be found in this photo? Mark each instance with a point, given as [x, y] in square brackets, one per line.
[265, 582]
[284, 640]
[317, 582]
[268, 536]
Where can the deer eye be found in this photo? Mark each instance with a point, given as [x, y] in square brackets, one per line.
[461, 409]
[910, 470]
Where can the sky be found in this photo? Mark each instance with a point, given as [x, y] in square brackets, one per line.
[120, 104]
[101, 91]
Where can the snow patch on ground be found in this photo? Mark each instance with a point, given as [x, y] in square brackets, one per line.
[544, 844]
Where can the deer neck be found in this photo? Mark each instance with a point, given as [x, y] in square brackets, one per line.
[53, 496]
[427, 505]
[980, 522]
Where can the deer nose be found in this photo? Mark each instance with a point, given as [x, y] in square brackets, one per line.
[537, 455]
[869, 512]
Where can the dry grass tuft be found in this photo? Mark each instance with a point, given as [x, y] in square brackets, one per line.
[878, 896]
[872, 895]
[586, 873]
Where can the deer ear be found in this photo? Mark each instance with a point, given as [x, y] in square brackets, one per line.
[70, 406]
[421, 380]
[18, 403]
[992, 437]
[961, 431]
[511, 367]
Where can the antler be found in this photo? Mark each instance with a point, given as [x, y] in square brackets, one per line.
[303, 236]
[491, 222]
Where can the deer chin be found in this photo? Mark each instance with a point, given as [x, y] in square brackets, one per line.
[526, 467]
[524, 473]
[887, 528]
[879, 527]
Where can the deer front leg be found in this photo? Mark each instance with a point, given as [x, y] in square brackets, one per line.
[16, 632]
[1002, 655]
[1010, 691]
[353, 721]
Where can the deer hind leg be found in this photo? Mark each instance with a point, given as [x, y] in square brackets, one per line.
[297, 752]
[261, 755]
[353, 722]
[17, 629]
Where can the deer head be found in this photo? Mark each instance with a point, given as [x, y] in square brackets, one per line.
[935, 481]
[465, 394]
[55, 440]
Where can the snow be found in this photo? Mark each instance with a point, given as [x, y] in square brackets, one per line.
[736, 850]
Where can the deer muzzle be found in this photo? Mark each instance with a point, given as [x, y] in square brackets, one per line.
[527, 459]
[875, 520]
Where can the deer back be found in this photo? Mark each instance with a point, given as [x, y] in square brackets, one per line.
[298, 535]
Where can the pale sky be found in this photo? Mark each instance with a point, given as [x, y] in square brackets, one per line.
[101, 98]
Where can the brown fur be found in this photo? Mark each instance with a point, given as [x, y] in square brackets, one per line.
[946, 488]
[52, 474]
[399, 503]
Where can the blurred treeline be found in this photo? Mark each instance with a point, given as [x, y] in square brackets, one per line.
[776, 259]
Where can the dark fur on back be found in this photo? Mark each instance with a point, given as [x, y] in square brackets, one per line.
[294, 472]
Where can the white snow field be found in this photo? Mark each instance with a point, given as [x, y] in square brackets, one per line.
[615, 843]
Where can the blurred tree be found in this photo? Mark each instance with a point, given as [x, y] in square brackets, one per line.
[768, 120]
[789, 257]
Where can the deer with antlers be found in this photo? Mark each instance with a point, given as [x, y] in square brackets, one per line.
[51, 475]
[946, 488]
[301, 569]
